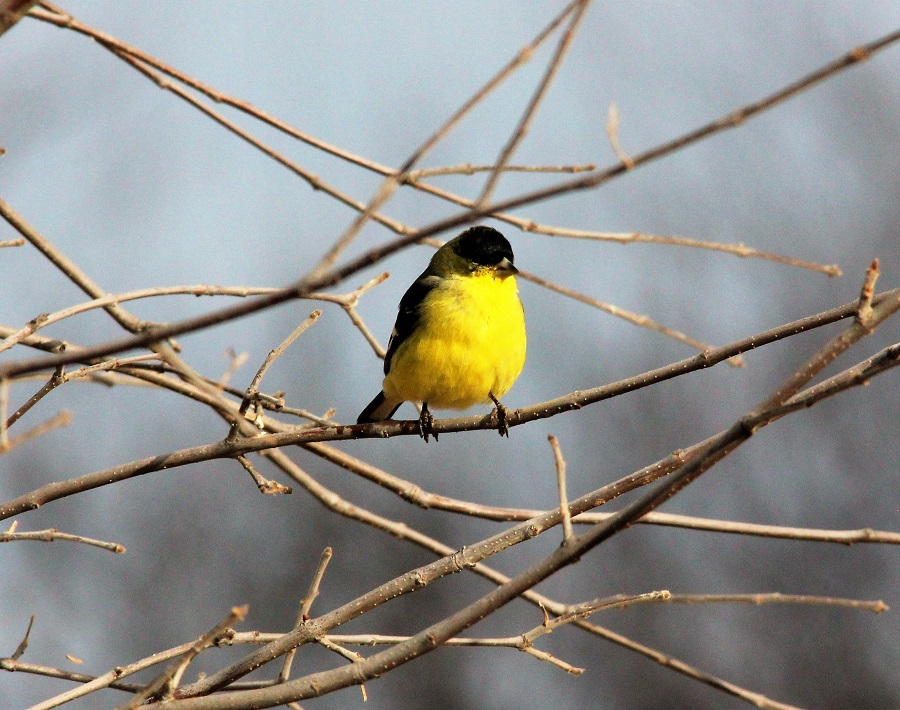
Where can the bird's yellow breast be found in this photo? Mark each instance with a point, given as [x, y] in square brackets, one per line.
[469, 343]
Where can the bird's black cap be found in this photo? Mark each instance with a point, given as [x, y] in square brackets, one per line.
[483, 245]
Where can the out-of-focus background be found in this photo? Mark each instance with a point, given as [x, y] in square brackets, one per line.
[141, 190]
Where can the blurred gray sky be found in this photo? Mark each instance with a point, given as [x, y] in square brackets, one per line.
[142, 191]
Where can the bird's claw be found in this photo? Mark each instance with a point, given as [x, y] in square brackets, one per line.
[426, 424]
[502, 416]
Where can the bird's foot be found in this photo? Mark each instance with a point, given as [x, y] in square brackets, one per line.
[502, 416]
[426, 424]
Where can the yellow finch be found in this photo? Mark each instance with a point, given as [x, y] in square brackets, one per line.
[459, 339]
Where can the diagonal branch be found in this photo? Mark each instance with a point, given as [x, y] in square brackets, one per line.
[308, 284]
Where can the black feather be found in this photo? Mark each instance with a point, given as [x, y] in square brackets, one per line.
[409, 315]
[368, 414]
[483, 245]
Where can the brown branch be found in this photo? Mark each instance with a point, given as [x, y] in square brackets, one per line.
[307, 284]
[876, 607]
[624, 238]
[575, 400]
[561, 485]
[633, 318]
[305, 606]
[469, 169]
[612, 133]
[15, 666]
[11, 11]
[265, 485]
[416, 495]
[168, 680]
[433, 636]
[53, 534]
[60, 419]
[252, 392]
[107, 680]
[667, 661]
[468, 557]
[394, 179]
[23, 332]
[56, 379]
[23, 644]
[864, 311]
[562, 48]
[62, 19]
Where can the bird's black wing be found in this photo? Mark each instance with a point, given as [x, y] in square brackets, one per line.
[410, 314]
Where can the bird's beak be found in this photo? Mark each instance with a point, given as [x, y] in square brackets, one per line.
[505, 268]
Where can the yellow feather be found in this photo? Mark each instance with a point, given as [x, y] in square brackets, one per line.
[470, 342]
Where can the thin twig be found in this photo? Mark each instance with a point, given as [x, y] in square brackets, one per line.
[593, 180]
[265, 485]
[396, 178]
[60, 419]
[624, 238]
[575, 400]
[667, 661]
[62, 19]
[112, 364]
[434, 635]
[521, 130]
[634, 318]
[23, 332]
[305, 605]
[469, 169]
[15, 666]
[53, 534]
[349, 655]
[864, 313]
[612, 132]
[23, 644]
[107, 680]
[253, 390]
[561, 485]
[4, 409]
[876, 607]
[56, 379]
[163, 685]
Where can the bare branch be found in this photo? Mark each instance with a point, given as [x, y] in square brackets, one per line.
[265, 485]
[876, 607]
[23, 644]
[634, 318]
[106, 680]
[253, 390]
[62, 418]
[612, 132]
[16, 666]
[56, 379]
[306, 285]
[433, 636]
[521, 129]
[575, 400]
[469, 169]
[168, 680]
[305, 605]
[11, 11]
[53, 534]
[561, 484]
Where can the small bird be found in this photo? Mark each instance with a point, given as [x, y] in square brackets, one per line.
[459, 339]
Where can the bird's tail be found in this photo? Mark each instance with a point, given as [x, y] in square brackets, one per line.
[378, 410]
